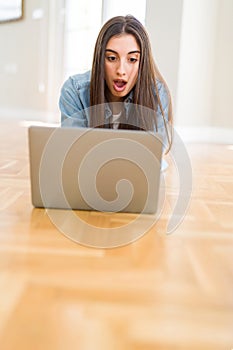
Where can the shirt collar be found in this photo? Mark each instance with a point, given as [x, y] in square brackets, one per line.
[127, 102]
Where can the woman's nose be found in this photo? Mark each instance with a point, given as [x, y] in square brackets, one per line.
[121, 68]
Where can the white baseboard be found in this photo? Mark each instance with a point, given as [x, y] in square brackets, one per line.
[205, 134]
[188, 134]
[29, 115]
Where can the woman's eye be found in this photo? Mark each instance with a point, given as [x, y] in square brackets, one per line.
[133, 59]
[111, 58]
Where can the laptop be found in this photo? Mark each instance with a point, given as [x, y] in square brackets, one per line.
[94, 169]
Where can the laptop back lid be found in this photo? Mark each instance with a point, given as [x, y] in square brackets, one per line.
[94, 169]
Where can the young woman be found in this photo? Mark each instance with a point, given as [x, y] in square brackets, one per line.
[124, 89]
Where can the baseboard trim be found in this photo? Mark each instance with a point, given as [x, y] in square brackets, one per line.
[205, 134]
[188, 134]
[29, 115]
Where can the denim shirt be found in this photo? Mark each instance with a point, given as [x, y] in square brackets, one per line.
[74, 103]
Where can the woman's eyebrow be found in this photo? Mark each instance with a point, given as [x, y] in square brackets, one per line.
[109, 50]
[134, 51]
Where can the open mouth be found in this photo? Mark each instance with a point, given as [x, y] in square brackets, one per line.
[119, 84]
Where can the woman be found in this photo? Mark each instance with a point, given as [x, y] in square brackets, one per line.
[124, 89]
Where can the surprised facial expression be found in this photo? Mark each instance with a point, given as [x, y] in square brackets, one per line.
[122, 56]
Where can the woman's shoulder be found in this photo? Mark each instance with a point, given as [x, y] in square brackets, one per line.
[162, 90]
[160, 86]
[78, 81]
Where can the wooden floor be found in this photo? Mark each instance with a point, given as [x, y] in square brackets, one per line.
[165, 292]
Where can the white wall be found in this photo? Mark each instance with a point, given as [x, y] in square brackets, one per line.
[223, 67]
[196, 66]
[113, 8]
[192, 41]
[27, 61]
[163, 22]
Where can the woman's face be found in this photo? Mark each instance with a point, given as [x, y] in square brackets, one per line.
[122, 55]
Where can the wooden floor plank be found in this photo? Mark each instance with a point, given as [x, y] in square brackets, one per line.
[161, 292]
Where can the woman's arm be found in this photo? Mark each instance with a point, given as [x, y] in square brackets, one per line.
[164, 123]
[73, 102]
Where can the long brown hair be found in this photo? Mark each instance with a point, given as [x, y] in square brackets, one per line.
[148, 74]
